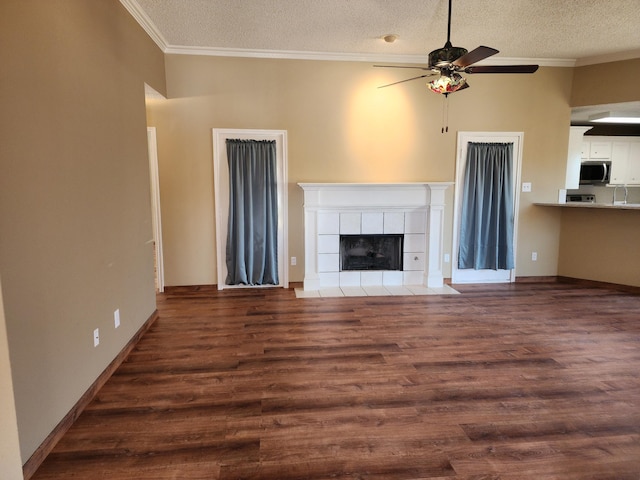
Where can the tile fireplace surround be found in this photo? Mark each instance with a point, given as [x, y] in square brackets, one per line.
[415, 210]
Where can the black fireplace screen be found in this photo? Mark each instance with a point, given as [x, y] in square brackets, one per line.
[371, 252]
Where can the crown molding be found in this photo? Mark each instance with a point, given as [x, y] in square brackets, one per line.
[350, 57]
[145, 22]
[293, 55]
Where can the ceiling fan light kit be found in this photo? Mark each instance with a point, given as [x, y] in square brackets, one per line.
[446, 84]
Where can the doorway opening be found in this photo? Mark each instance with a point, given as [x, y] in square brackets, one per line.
[156, 216]
[221, 190]
[470, 275]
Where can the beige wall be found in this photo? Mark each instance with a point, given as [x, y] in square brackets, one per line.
[602, 245]
[74, 196]
[341, 128]
[612, 82]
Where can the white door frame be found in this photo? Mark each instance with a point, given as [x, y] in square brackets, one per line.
[221, 190]
[156, 216]
[485, 276]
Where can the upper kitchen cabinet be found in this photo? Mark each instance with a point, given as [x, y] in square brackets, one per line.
[633, 167]
[625, 162]
[593, 149]
[600, 150]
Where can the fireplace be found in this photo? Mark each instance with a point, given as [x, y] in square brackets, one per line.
[344, 221]
[371, 252]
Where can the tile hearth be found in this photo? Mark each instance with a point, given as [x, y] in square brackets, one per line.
[375, 291]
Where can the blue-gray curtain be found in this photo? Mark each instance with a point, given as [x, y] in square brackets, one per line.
[252, 238]
[486, 225]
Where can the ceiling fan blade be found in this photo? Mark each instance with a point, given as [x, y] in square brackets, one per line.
[501, 69]
[401, 66]
[474, 56]
[407, 80]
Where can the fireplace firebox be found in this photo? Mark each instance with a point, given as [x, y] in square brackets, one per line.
[371, 252]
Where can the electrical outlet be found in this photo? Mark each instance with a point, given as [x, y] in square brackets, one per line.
[534, 256]
[116, 318]
[294, 260]
[96, 337]
[526, 186]
[447, 258]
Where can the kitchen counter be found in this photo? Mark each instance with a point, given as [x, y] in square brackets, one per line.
[617, 206]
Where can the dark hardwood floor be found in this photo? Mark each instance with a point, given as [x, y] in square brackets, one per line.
[520, 381]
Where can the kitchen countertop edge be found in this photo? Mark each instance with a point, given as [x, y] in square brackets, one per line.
[609, 206]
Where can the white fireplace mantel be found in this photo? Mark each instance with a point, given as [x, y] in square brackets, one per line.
[413, 209]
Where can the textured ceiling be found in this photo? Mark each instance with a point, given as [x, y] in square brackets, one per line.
[547, 32]
[582, 30]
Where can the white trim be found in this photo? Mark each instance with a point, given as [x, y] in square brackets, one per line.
[156, 216]
[463, 139]
[350, 57]
[221, 191]
[145, 22]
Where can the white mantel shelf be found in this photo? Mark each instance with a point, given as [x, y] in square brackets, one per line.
[373, 195]
[415, 210]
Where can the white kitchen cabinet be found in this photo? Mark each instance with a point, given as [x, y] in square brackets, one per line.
[572, 174]
[625, 163]
[599, 150]
[619, 163]
[633, 166]
[586, 146]
[595, 148]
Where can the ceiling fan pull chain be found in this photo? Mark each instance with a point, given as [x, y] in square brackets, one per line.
[445, 114]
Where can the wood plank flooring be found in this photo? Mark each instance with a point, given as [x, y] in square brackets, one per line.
[521, 381]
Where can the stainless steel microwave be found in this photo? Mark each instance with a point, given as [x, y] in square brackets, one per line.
[595, 173]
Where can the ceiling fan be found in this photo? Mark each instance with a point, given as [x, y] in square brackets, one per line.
[449, 62]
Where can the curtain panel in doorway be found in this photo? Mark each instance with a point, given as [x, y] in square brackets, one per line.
[252, 240]
[487, 216]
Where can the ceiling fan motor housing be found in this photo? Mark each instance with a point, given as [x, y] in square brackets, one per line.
[445, 56]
